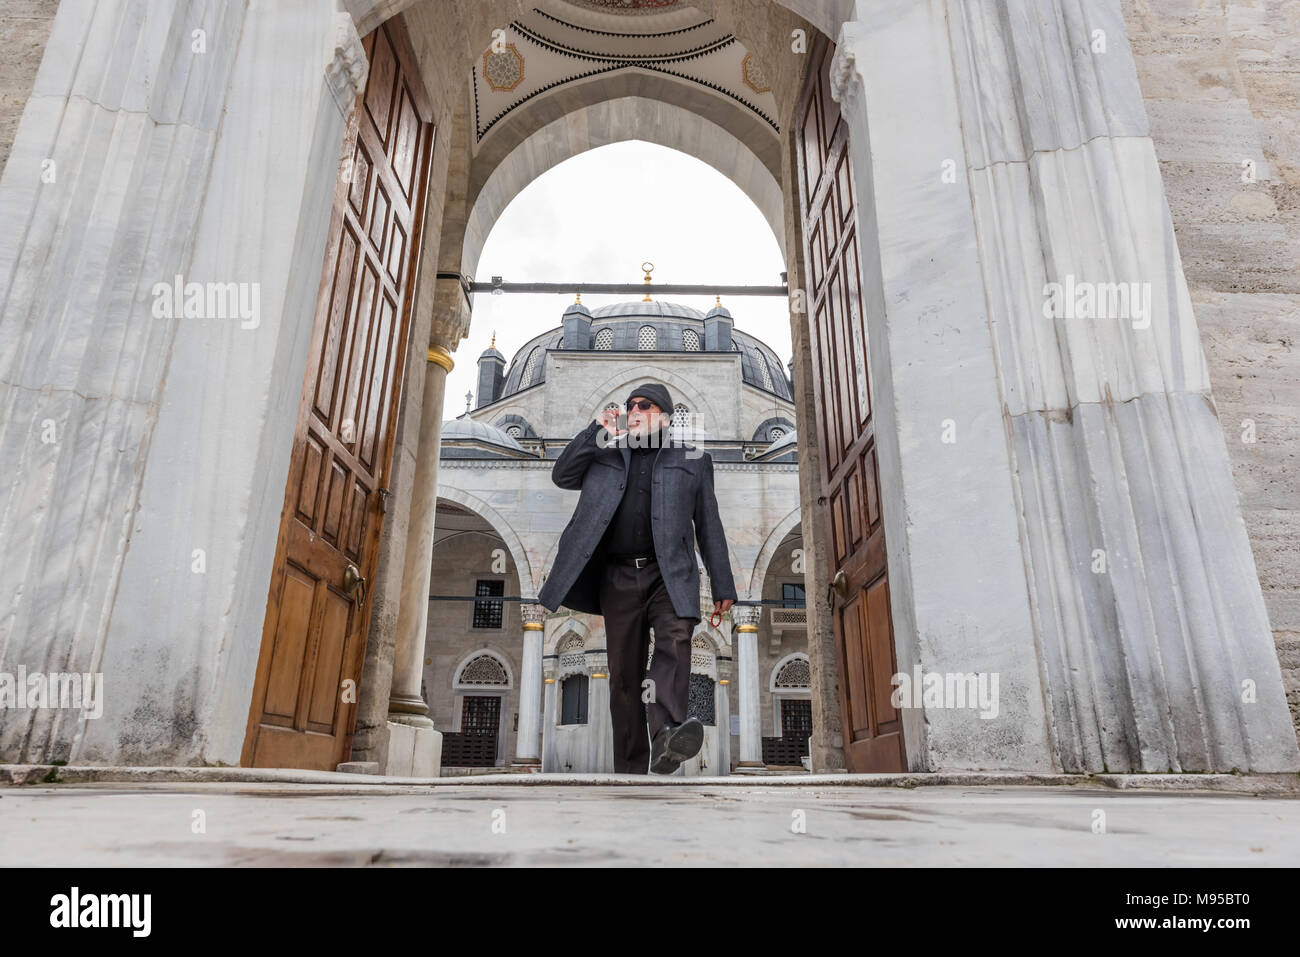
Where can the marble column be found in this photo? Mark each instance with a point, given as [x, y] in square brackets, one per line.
[746, 645]
[405, 704]
[722, 714]
[600, 729]
[550, 712]
[528, 740]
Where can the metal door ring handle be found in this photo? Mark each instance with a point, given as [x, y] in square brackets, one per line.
[354, 583]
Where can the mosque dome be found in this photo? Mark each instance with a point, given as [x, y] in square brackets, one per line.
[653, 327]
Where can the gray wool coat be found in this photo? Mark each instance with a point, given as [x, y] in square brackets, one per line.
[683, 507]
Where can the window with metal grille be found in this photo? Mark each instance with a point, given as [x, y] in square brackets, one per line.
[690, 340]
[481, 714]
[605, 339]
[646, 338]
[681, 416]
[514, 431]
[792, 595]
[764, 371]
[573, 700]
[777, 432]
[796, 717]
[487, 614]
[530, 368]
[699, 699]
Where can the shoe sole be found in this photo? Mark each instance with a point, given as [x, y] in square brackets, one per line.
[682, 745]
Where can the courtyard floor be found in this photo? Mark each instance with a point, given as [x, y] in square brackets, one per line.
[619, 822]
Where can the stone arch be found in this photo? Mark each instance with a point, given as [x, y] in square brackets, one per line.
[490, 515]
[611, 389]
[508, 419]
[571, 628]
[618, 119]
[775, 675]
[824, 15]
[763, 430]
[457, 680]
[765, 554]
[713, 131]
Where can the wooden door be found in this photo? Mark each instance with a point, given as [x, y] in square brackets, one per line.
[318, 608]
[864, 640]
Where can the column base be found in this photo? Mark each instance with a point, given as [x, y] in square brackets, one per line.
[414, 750]
[420, 721]
[405, 707]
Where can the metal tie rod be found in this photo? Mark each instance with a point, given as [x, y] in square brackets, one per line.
[660, 289]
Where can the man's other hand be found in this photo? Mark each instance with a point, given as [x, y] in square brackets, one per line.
[723, 605]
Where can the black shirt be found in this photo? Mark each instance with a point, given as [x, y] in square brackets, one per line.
[629, 531]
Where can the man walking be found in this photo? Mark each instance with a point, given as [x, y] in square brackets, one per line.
[628, 554]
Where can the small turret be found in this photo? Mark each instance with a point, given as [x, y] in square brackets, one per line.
[491, 374]
[577, 326]
[717, 328]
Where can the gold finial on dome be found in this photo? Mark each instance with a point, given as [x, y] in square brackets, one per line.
[718, 301]
[647, 267]
[578, 300]
[494, 340]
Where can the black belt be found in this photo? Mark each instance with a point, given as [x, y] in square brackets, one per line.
[640, 561]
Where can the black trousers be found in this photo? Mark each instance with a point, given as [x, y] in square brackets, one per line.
[633, 601]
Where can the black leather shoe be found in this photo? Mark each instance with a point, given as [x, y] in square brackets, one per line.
[674, 744]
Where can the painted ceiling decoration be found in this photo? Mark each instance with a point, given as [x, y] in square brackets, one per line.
[542, 51]
[626, 6]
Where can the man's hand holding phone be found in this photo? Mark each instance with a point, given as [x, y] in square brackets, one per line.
[611, 419]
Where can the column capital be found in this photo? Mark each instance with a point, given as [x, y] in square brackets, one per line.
[534, 616]
[845, 78]
[746, 617]
[451, 311]
[348, 67]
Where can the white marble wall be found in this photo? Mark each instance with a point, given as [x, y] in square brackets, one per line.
[1089, 435]
[168, 435]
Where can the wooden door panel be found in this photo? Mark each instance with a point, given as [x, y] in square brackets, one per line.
[290, 643]
[843, 420]
[316, 618]
[341, 308]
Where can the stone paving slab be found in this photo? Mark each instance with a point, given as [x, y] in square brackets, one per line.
[753, 823]
[18, 774]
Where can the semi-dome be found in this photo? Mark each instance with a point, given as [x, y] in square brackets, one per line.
[784, 449]
[466, 431]
[658, 326]
[790, 438]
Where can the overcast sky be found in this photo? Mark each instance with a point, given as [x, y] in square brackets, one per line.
[595, 218]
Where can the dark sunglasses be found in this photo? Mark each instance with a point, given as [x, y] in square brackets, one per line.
[641, 405]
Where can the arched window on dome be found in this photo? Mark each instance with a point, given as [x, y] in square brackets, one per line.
[765, 372]
[530, 368]
[647, 338]
[605, 339]
[690, 340]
